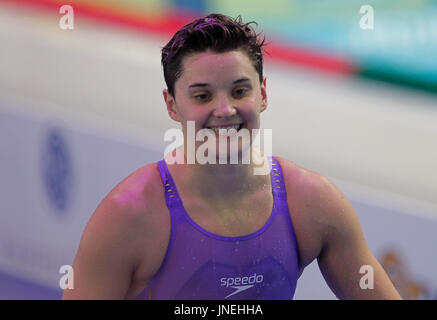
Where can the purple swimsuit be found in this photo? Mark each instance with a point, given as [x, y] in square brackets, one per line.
[201, 265]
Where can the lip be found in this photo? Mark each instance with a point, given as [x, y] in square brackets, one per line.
[225, 125]
[240, 127]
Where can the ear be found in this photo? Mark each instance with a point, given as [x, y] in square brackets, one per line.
[263, 95]
[171, 105]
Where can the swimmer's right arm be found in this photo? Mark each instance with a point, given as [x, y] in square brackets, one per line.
[125, 240]
[107, 257]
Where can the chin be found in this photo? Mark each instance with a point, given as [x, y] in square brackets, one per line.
[239, 154]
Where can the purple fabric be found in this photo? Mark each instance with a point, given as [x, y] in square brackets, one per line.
[202, 265]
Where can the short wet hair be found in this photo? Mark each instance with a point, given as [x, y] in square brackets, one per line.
[215, 32]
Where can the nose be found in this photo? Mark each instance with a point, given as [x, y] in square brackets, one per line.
[224, 108]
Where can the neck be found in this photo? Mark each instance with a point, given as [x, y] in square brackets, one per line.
[222, 183]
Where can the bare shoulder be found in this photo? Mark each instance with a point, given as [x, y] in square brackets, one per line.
[303, 186]
[328, 229]
[135, 201]
[296, 176]
[125, 239]
[316, 205]
[139, 204]
[138, 190]
[322, 198]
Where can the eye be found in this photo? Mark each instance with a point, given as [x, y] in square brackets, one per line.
[201, 97]
[240, 92]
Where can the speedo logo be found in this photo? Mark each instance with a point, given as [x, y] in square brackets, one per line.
[241, 283]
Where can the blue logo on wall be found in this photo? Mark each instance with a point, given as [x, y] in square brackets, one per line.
[57, 169]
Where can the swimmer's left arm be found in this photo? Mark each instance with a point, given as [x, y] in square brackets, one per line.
[348, 266]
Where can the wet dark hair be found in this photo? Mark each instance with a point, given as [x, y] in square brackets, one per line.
[215, 32]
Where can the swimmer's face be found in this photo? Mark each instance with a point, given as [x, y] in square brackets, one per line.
[217, 89]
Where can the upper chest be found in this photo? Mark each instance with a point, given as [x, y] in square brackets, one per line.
[230, 218]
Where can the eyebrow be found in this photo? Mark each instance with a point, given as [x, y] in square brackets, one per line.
[202, 85]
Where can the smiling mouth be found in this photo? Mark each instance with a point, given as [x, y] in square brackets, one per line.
[224, 130]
